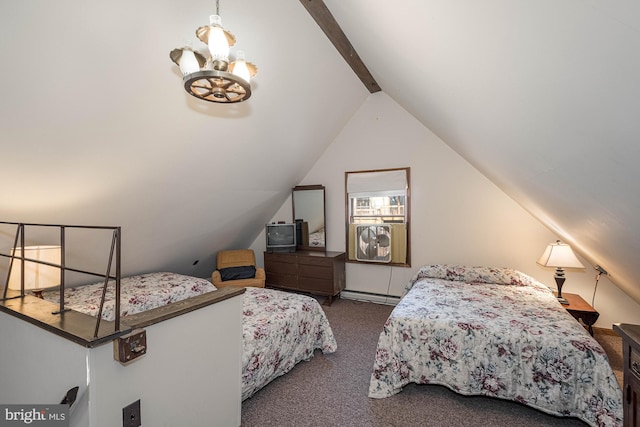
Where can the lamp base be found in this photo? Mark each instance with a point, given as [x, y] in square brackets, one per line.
[559, 282]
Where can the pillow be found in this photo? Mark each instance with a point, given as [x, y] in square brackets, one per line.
[235, 273]
[461, 273]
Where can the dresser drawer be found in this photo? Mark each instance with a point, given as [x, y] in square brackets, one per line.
[315, 271]
[281, 267]
[311, 260]
[283, 280]
[319, 286]
[631, 356]
[279, 257]
[634, 362]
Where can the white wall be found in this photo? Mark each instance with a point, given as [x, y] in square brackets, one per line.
[457, 215]
[38, 367]
[190, 376]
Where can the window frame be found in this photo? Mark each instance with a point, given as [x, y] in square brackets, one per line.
[382, 193]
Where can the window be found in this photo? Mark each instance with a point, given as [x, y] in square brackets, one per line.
[378, 216]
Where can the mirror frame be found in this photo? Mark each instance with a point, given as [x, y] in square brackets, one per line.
[324, 214]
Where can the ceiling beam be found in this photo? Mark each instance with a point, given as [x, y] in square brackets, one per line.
[323, 17]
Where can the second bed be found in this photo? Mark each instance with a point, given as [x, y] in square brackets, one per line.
[495, 332]
[279, 329]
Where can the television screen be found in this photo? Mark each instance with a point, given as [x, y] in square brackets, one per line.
[281, 237]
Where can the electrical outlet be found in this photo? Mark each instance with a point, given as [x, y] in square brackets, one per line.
[131, 415]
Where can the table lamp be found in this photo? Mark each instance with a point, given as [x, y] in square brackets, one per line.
[561, 256]
[36, 276]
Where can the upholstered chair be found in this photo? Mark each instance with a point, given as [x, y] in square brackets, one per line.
[238, 268]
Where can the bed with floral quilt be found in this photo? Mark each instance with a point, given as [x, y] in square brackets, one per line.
[137, 294]
[495, 332]
[279, 329]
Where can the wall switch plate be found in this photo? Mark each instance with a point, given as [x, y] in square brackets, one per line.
[131, 415]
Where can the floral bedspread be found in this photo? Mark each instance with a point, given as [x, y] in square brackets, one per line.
[495, 332]
[137, 294]
[316, 239]
[279, 329]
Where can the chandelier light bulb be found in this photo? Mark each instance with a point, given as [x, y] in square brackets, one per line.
[218, 43]
[240, 68]
[188, 62]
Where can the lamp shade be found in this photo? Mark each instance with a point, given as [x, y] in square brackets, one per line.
[559, 255]
[36, 276]
[240, 68]
[217, 41]
[188, 62]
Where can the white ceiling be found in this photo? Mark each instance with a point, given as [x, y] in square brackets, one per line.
[541, 96]
[92, 103]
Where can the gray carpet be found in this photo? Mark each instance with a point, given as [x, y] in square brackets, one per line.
[331, 390]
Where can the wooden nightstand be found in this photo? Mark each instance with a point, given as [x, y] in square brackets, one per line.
[581, 310]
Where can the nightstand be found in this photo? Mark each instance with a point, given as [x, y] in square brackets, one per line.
[581, 310]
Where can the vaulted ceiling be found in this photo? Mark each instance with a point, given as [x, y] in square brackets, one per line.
[541, 96]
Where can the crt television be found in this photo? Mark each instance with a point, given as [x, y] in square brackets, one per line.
[281, 237]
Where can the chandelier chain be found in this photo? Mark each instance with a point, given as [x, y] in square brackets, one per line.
[218, 7]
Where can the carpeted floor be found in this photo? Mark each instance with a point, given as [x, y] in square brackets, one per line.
[612, 345]
[331, 390]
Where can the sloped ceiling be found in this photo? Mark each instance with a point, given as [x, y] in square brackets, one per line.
[541, 96]
[97, 128]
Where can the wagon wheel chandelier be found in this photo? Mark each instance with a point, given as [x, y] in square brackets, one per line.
[212, 78]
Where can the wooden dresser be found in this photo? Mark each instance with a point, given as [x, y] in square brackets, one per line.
[631, 359]
[315, 272]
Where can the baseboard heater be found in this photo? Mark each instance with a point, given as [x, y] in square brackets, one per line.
[370, 297]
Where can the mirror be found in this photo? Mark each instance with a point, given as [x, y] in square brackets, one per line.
[309, 215]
